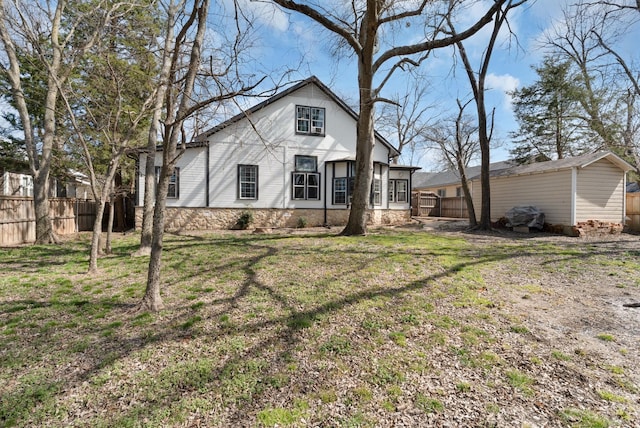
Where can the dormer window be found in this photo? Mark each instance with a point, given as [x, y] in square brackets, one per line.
[309, 120]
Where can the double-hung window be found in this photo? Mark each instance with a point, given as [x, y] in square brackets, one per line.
[305, 179]
[340, 191]
[247, 181]
[173, 192]
[376, 192]
[398, 191]
[310, 120]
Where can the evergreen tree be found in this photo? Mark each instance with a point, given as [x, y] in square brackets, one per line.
[549, 114]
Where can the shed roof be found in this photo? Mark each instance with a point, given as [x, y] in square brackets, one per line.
[452, 177]
[582, 161]
[311, 80]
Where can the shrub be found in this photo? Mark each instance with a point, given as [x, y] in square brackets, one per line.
[245, 219]
[302, 222]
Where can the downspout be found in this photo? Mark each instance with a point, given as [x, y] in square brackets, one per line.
[324, 222]
[284, 176]
[206, 173]
[624, 198]
[574, 190]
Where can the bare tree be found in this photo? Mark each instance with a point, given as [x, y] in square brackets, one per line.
[180, 104]
[485, 124]
[372, 31]
[172, 12]
[588, 36]
[116, 138]
[406, 118]
[58, 39]
[455, 140]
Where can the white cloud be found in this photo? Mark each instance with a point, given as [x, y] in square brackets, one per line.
[504, 83]
[265, 13]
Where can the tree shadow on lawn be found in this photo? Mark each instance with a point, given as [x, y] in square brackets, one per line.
[101, 342]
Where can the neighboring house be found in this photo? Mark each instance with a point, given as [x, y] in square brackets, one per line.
[16, 184]
[75, 185]
[290, 160]
[447, 184]
[568, 191]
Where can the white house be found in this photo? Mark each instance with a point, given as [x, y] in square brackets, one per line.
[290, 160]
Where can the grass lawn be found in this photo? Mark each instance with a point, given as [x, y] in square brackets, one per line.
[398, 327]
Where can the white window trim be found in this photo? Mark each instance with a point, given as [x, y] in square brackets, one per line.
[304, 186]
[307, 118]
[241, 182]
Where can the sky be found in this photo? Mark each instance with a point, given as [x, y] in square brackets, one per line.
[286, 37]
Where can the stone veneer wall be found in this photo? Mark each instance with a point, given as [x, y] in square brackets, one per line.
[180, 219]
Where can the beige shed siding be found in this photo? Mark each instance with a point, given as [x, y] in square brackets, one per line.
[450, 190]
[600, 192]
[550, 192]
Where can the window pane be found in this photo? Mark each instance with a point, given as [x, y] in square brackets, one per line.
[306, 163]
[340, 191]
[392, 190]
[302, 119]
[377, 197]
[312, 193]
[303, 126]
[248, 191]
[401, 186]
[312, 180]
[298, 192]
[302, 112]
[298, 179]
[317, 120]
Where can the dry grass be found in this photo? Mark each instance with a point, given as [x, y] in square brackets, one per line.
[396, 328]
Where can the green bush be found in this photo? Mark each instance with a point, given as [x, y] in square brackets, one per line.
[245, 219]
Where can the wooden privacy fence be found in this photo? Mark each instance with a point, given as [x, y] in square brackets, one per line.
[423, 204]
[18, 224]
[428, 204]
[455, 207]
[633, 211]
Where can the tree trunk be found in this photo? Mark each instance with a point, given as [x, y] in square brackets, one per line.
[149, 190]
[152, 142]
[95, 237]
[357, 223]
[107, 246]
[467, 193]
[365, 139]
[152, 300]
[485, 176]
[44, 230]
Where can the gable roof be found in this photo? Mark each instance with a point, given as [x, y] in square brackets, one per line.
[452, 177]
[313, 80]
[582, 161]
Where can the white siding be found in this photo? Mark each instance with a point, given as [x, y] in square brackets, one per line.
[192, 179]
[549, 191]
[600, 192]
[268, 139]
[273, 145]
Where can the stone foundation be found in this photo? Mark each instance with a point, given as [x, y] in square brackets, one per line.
[179, 219]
